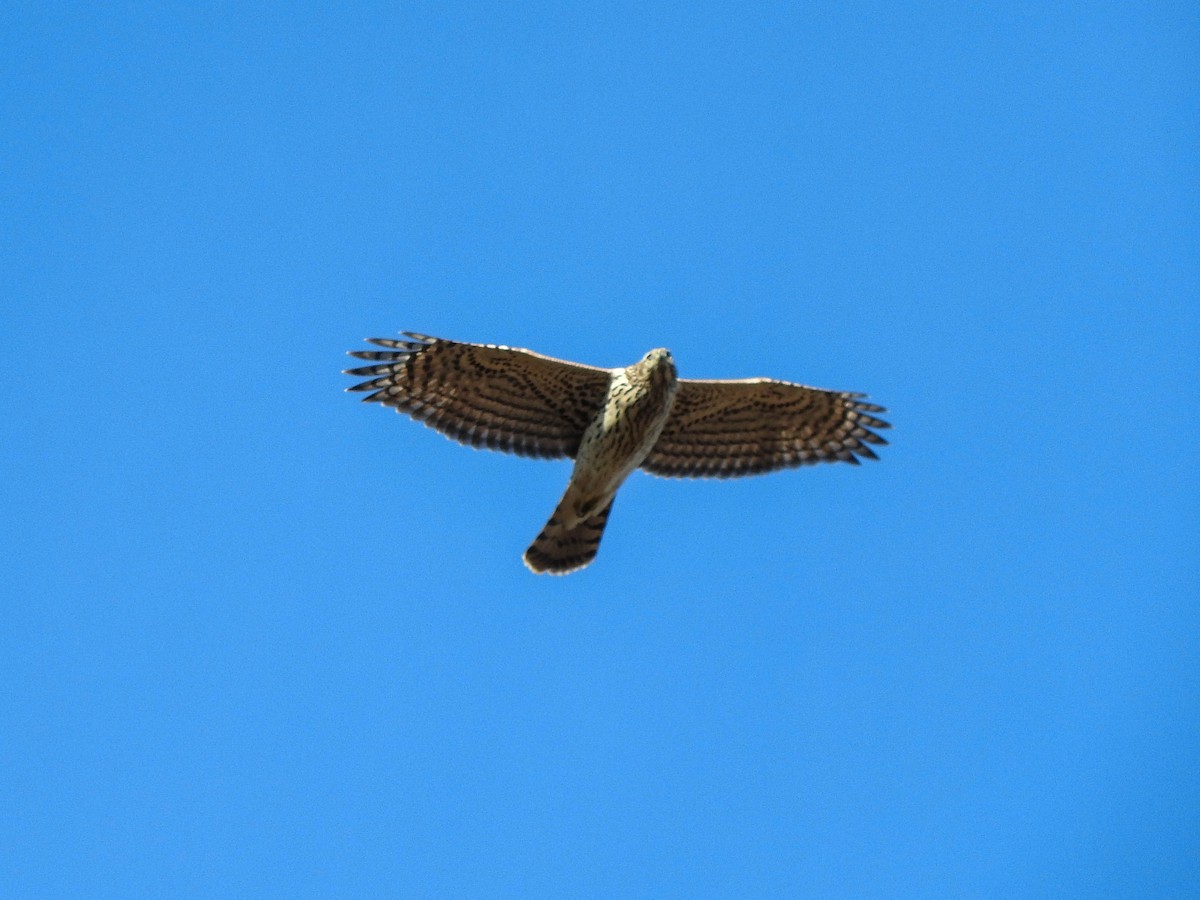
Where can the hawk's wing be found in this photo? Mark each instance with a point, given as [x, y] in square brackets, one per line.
[485, 395]
[725, 428]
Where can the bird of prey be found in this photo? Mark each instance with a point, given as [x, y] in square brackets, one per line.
[611, 421]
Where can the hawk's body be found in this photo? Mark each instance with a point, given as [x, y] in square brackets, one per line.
[611, 421]
[616, 441]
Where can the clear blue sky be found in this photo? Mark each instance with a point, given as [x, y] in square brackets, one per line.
[263, 640]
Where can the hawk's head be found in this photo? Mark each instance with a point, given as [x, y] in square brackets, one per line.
[658, 365]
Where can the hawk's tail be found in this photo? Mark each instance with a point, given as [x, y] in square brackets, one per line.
[559, 549]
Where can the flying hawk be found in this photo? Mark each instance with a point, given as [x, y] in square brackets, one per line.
[611, 421]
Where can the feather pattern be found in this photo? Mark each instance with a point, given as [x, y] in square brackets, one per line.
[485, 395]
[722, 429]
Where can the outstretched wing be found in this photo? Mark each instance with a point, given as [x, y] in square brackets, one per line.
[485, 395]
[721, 429]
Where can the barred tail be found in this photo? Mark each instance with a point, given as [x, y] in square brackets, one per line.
[559, 549]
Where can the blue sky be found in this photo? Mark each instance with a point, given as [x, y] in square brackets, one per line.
[263, 640]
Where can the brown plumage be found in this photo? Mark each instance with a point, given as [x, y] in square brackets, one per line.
[611, 421]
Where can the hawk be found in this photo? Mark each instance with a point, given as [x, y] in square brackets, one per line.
[611, 421]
